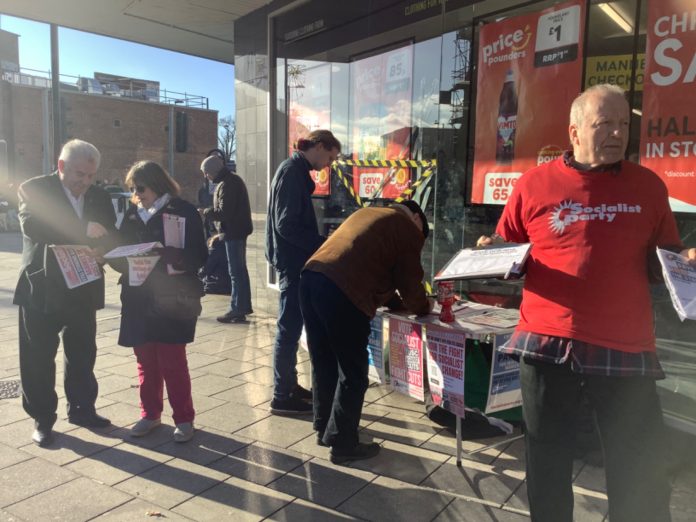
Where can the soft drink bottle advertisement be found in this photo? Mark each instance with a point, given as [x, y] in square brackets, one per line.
[668, 126]
[529, 72]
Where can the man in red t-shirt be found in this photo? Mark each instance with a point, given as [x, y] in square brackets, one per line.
[586, 327]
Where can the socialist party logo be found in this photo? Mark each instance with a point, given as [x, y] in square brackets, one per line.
[569, 212]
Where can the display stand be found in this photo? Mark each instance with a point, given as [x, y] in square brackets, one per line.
[452, 372]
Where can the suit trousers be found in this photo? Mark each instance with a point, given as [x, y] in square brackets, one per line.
[629, 420]
[337, 335]
[39, 337]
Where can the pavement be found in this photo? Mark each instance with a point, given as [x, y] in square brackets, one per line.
[243, 463]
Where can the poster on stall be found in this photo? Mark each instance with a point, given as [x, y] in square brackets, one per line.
[668, 126]
[381, 123]
[445, 359]
[309, 109]
[529, 72]
[504, 390]
[375, 351]
[406, 357]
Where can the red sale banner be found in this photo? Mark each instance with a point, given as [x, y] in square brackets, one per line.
[381, 127]
[309, 93]
[529, 72]
[668, 129]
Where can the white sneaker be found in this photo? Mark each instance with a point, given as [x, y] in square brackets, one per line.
[183, 432]
[144, 426]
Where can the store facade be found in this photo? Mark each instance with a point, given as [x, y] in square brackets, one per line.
[481, 89]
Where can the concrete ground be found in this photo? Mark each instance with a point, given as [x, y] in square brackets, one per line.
[243, 463]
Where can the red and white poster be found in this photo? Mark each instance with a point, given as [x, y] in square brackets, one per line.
[668, 130]
[381, 122]
[529, 72]
[309, 105]
[445, 356]
[406, 357]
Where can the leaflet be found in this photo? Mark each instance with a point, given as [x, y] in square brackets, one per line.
[77, 264]
[140, 264]
[132, 250]
[491, 261]
[680, 278]
[174, 235]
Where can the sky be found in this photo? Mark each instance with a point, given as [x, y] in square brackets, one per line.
[83, 54]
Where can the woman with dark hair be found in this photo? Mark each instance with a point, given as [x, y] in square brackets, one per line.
[159, 333]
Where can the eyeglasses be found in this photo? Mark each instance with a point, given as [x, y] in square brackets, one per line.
[138, 188]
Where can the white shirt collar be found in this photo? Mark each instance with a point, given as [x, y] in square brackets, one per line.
[78, 203]
[146, 213]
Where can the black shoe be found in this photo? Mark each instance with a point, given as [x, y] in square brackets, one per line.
[240, 319]
[320, 439]
[89, 420]
[42, 436]
[359, 452]
[291, 406]
[302, 393]
[229, 317]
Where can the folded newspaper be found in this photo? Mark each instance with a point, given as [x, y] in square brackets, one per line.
[141, 260]
[680, 278]
[504, 260]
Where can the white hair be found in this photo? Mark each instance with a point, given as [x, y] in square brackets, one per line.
[577, 109]
[75, 149]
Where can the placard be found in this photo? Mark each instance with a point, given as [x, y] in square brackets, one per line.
[375, 351]
[406, 357]
[529, 72]
[445, 356]
[504, 390]
[668, 125]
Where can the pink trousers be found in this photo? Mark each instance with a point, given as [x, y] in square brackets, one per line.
[160, 363]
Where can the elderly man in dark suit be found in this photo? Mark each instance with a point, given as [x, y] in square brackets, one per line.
[64, 208]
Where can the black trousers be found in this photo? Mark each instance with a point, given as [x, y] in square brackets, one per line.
[337, 335]
[38, 343]
[628, 415]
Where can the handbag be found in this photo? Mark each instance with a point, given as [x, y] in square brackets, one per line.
[178, 297]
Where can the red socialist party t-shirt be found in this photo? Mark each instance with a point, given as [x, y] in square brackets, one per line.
[592, 232]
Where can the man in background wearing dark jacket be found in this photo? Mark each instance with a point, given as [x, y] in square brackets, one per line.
[292, 236]
[232, 215]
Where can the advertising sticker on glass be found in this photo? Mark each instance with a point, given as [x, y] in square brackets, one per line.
[381, 123]
[668, 127]
[309, 93]
[529, 71]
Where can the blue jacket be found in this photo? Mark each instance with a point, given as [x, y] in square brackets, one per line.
[292, 234]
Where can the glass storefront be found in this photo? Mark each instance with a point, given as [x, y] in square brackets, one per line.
[433, 80]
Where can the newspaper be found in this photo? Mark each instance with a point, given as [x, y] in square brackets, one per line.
[76, 264]
[680, 278]
[174, 235]
[140, 264]
[491, 261]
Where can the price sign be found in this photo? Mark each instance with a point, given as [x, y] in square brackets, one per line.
[398, 66]
[557, 37]
[499, 186]
[369, 181]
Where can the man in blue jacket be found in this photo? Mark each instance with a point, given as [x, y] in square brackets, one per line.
[292, 236]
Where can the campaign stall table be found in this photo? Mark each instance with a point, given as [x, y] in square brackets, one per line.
[413, 351]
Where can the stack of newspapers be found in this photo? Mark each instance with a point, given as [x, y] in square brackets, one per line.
[505, 260]
[680, 278]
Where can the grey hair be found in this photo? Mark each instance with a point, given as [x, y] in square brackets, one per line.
[78, 149]
[577, 109]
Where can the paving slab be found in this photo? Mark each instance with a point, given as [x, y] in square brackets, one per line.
[259, 463]
[78, 500]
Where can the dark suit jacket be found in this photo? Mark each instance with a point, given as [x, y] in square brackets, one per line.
[47, 218]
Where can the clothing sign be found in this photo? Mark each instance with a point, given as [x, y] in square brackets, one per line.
[406, 357]
[445, 356]
[668, 127]
[529, 72]
[504, 390]
[375, 351]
